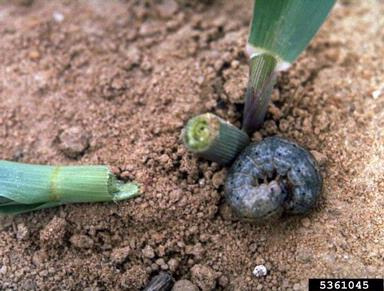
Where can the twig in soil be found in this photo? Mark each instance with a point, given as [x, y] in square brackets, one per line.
[26, 187]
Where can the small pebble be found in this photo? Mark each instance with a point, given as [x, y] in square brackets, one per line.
[58, 16]
[304, 255]
[223, 281]
[306, 222]
[160, 262]
[119, 255]
[154, 267]
[39, 258]
[227, 213]
[22, 232]
[3, 270]
[148, 28]
[173, 264]
[256, 137]
[34, 55]
[320, 158]
[275, 111]
[167, 8]
[81, 241]
[297, 287]
[377, 93]
[204, 277]
[148, 252]
[164, 267]
[184, 285]
[218, 178]
[260, 271]
[5, 221]
[53, 233]
[164, 158]
[235, 64]
[133, 57]
[73, 142]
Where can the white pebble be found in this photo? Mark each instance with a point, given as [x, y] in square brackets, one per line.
[3, 270]
[57, 16]
[260, 271]
[377, 93]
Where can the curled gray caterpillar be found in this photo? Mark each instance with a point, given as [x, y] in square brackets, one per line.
[272, 177]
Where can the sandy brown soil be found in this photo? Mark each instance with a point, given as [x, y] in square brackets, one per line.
[107, 82]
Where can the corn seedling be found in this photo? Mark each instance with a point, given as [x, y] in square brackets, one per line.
[26, 187]
[279, 32]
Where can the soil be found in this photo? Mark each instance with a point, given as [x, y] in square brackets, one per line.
[113, 82]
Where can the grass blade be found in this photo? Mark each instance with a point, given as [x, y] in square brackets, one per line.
[284, 28]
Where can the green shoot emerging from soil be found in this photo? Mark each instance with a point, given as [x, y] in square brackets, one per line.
[280, 30]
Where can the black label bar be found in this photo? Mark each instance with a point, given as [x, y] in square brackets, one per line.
[346, 284]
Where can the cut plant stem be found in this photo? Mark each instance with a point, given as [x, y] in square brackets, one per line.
[26, 187]
[160, 282]
[214, 139]
[262, 77]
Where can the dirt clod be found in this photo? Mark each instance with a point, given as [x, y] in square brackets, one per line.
[320, 158]
[22, 232]
[73, 142]
[218, 178]
[34, 55]
[306, 222]
[148, 252]
[134, 278]
[223, 281]
[53, 233]
[39, 257]
[119, 255]
[184, 285]
[167, 8]
[81, 241]
[204, 277]
[3, 270]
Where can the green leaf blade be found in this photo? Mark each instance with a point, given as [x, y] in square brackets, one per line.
[285, 27]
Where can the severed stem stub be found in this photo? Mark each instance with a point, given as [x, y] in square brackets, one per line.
[214, 139]
[262, 77]
[161, 282]
[272, 177]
